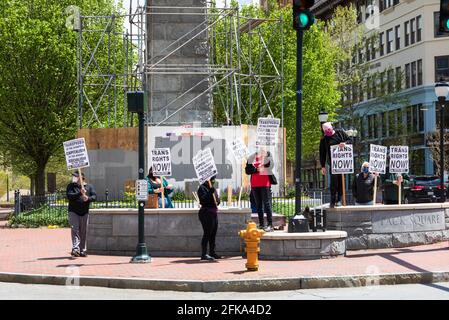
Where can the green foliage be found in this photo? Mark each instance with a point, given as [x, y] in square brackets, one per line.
[38, 85]
[41, 217]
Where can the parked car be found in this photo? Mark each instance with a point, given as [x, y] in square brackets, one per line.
[425, 189]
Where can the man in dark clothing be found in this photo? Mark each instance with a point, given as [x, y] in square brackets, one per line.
[209, 201]
[259, 165]
[363, 186]
[331, 138]
[80, 195]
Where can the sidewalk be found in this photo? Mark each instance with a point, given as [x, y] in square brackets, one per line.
[46, 252]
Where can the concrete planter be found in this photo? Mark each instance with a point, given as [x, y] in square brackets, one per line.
[391, 226]
[168, 232]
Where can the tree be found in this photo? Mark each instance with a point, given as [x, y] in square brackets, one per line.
[38, 86]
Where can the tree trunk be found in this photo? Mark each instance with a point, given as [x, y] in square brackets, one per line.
[32, 184]
[40, 180]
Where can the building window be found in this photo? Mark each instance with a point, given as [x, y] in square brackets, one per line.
[368, 87]
[421, 118]
[385, 4]
[436, 26]
[391, 123]
[367, 49]
[407, 75]
[418, 28]
[398, 37]
[382, 81]
[415, 119]
[398, 79]
[373, 48]
[419, 72]
[389, 40]
[400, 122]
[442, 68]
[383, 120]
[390, 80]
[381, 44]
[406, 33]
[414, 74]
[361, 95]
[412, 31]
[360, 55]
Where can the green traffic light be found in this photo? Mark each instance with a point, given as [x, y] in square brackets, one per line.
[447, 24]
[303, 19]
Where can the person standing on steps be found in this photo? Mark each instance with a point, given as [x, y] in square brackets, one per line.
[208, 216]
[80, 195]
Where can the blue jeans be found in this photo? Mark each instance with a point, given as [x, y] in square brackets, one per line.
[159, 201]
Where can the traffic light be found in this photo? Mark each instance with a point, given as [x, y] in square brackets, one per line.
[444, 16]
[302, 17]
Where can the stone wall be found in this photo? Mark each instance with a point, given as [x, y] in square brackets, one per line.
[391, 226]
[168, 232]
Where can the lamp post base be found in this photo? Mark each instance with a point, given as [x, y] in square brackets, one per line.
[142, 255]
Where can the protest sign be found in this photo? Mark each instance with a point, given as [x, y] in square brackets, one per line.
[161, 162]
[377, 158]
[204, 165]
[239, 150]
[399, 161]
[267, 129]
[342, 159]
[76, 155]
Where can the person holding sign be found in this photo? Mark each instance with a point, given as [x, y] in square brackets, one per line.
[390, 184]
[259, 165]
[363, 186]
[208, 216]
[80, 195]
[331, 138]
[159, 186]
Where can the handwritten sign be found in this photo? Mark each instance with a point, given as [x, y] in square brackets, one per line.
[239, 149]
[76, 155]
[267, 129]
[204, 165]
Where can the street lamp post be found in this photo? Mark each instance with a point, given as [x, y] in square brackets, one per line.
[441, 91]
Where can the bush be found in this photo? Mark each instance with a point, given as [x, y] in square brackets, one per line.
[43, 216]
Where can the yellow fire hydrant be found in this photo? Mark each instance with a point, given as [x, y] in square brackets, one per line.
[252, 237]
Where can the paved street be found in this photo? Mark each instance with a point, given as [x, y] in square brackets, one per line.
[436, 291]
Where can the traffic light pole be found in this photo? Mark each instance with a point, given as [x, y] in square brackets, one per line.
[299, 71]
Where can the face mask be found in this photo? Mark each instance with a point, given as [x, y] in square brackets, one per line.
[329, 132]
[74, 179]
[365, 170]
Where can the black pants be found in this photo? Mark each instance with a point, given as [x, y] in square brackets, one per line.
[209, 221]
[336, 188]
[262, 195]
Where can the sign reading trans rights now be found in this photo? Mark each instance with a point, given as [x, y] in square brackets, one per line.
[342, 159]
[76, 154]
[377, 158]
[161, 162]
[399, 159]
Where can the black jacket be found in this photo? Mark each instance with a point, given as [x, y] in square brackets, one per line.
[326, 143]
[205, 195]
[363, 188]
[76, 203]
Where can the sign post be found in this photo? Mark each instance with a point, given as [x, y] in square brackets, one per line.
[205, 168]
[161, 163]
[377, 164]
[240, 152]
[342, 162]
[399, 163]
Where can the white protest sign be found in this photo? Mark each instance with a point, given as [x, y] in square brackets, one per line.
[267, 129]
[342, 159]
[377, 158]
[399, 159]
[76, 154]
[142, 190]
[238, 149]
[204, 165]
[161, 162]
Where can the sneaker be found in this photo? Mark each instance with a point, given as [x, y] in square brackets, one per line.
[75, 253]
[261, 226]
[215, 256]
[207, 257]
[83, 254]
[269, 229]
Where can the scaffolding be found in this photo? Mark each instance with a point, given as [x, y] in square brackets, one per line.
[241, 77]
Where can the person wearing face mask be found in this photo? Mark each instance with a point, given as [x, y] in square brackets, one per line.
[332, 137]
[208, 215]
[80, 195]
[363, 186]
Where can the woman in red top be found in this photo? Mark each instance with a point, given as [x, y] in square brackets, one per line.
[259, 166]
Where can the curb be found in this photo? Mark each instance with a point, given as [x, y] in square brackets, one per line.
[249, 285]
